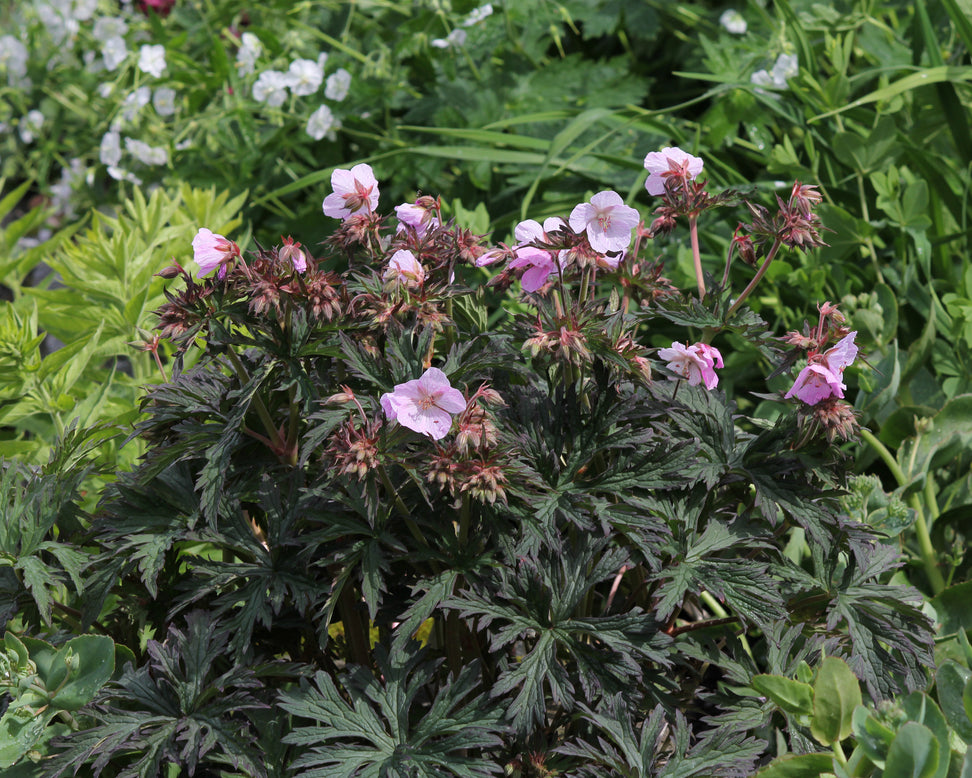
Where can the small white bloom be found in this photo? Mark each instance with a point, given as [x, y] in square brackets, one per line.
[114, 51]
[147, 155]
[321, 123]
[13, 56]
[30, 125]
[305, 77]
[84, 9]
[120, 174]
[478, 14]
[337, 86]
[455, 39]
[151, 60]
[733, 21]
[182, 145]
[246, 57]
[786, 67]
[133, 104]
[110, 151]
[271, 88]
[109, 27]
[322, 60]
[164, 101]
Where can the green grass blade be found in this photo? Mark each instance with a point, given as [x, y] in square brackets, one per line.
[924, 77]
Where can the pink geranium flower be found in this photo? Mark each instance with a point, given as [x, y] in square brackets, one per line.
[607, 221]
[354, 190]
[539, 263]
[417, 216]
[405, 268]
[211, 251]
[823, 375]
[670, 161]
[425, 404]
[696, 363]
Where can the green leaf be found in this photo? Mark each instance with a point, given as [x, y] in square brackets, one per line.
[954, 608]
[95, 656]
[913, 753]
[791, 696]
[922, 709]
[907, 83]
[950, 682]
[836, 693]
[798, 766]
[20, 728]
[873, 736]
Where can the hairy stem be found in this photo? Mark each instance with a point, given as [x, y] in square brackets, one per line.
[756, 278]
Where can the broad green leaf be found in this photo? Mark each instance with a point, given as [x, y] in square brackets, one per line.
[954, 608]
[798, 766]
[923, 710]
[791, 696]
[836, 693]
[950, 682]
[914, 753]
[20, 728]
[95, 655]
[874, 736]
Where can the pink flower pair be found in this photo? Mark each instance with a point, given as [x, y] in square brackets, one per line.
[696, 363]
[823, 375]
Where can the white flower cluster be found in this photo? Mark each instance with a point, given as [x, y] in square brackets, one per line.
[302, 79]
[786, 67]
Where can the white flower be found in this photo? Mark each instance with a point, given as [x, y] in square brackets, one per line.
[84, 9]
[478, 14]
[322, 123]
[132, 105]
[733, 21]
[114, 51]
[147, 155]
[338, 84]
[164, 101]
[13, 56]
[322, 60]
[120, 174]
[246, 57]
[30, 125]
[109, 27]
[271, 88]
[110, 151]
[455, 39]
[305, 77]
[63, 31]
[786, 67]
[151, 60]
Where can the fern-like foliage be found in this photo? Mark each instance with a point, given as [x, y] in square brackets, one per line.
[184, 707]
[402, 724]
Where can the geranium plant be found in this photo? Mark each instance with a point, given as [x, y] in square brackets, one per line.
[372, 535]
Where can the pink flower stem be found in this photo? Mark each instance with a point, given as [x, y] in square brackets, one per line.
[158, 361]
[759, 274]
[696, 254]
[725, 275]
[586, 281]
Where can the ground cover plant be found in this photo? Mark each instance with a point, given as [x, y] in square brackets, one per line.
[372, 535]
